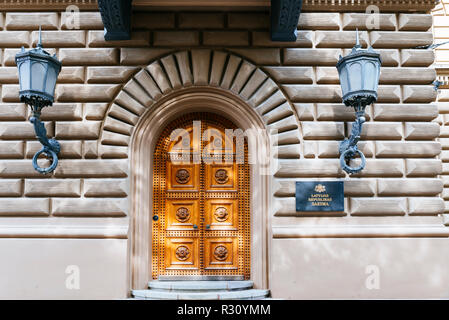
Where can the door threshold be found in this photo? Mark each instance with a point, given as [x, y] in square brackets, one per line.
[201, 278]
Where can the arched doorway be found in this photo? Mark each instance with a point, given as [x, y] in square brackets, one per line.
[145, 138]
[201, 200]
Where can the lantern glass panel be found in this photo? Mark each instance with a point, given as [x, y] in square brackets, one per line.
[371, 76]
[344, 80]
[24, 73]
[51, 81]
[37, 76]
[355, 76]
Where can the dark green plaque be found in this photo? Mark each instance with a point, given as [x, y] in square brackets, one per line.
[320, 196]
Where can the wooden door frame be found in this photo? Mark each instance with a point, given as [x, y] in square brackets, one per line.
[145, 136]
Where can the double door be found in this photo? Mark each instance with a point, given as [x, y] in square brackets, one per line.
[201, 201]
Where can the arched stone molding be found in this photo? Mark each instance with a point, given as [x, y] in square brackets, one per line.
[189, 81]
[142, 147]
[201, 68]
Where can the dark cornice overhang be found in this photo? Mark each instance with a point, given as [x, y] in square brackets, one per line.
[116, 17]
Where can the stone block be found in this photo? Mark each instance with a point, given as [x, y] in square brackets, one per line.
[63, 112]
[309, 168]
[304, 39]
[378, 206]
[380, 130]
[294, 75]
[21, 130]
[13, 111]
[67, 207]
[60, 39]
[15, 39]
[199, 20]
[405, 112]
[175, 38]
[106, 187]
[95, 111]
[95, 39]
[88, 57]
[92, 169]
[263, 56]
[31, 20]
[115, 139]
[425, 206]
[304, 111]
[311, 57]
[237, 20]
[118, 126]
[153, 20]
[52, 187]
[417, 57]
[421, 130]
[11, 149]
[83, 21]
[69, 149]
[285, 124]
[423, 167]
[71, 75]
[313, 93]
[86, 92]
[78, 130]
[414, 22]
[364, 21]
[393, 39]
[382, 168]
[399, 149]
[10, 187]
[140, 56]
[109, 74]
[9, 75]
[23, 207]
[407, 76]
[319, 20]
[339, 39]
[323, 130]
[409, 187]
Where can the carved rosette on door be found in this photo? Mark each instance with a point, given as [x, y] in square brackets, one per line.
[202, 201]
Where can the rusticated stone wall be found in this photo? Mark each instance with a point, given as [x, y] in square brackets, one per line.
[105, 87]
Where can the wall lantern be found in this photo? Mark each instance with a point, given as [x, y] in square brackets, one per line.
[38, 72]
[359, 75]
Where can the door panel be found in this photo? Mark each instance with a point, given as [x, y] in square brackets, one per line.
[183, 177]
[221, 214]
[221, 177]
[182, 254]
[221, 253]
[183, 214]
[201, 201]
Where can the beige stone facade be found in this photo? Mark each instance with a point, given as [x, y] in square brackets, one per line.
[114, 98]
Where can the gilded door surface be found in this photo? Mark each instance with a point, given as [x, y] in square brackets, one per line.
[201, 200]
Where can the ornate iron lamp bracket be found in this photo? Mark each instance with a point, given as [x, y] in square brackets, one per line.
[50, 148]
[348, 147]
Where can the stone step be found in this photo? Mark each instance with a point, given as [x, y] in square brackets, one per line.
[252, 294]
[195, 286]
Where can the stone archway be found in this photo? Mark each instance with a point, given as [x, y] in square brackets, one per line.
[201, 68]
[190, 81]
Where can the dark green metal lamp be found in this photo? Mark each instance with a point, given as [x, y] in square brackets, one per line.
[359, 74]
[38, 72]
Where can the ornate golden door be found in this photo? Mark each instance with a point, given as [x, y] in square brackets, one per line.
[201, 215]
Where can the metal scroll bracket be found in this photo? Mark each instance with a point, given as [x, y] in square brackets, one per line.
[348, 147]
[51, 147]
